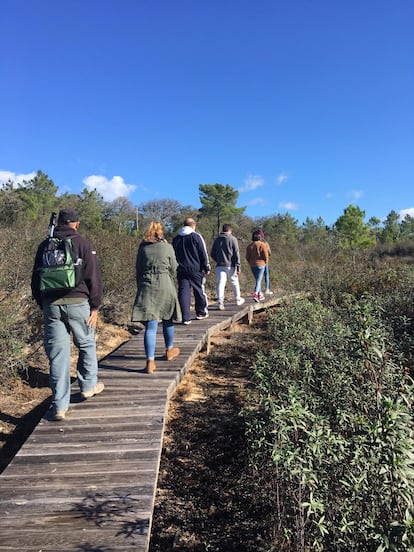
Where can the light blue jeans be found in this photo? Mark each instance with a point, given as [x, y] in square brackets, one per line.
[222, 273]
[60, 321]
[266, 277]
[258, 272]
[150, 336]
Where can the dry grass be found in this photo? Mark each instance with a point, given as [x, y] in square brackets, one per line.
[25, 401]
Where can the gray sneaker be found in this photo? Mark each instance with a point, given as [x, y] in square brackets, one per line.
[58, 415]
[99, 387]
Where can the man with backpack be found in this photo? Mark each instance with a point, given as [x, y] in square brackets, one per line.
[70, 307]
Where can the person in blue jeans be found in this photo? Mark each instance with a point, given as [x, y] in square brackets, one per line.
[156, 298]
[257, 255]
[70, 312]
[268, 291]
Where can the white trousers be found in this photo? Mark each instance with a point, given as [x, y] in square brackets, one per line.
[222, 273]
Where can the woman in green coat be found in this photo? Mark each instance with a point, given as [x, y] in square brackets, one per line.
[156, 297]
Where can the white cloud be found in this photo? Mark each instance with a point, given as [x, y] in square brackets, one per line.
[356, 194]
[5, 176]
[109, 189]
[281, 179]
[257, 201]
[251, 183]
[404, 212]
[290, 205]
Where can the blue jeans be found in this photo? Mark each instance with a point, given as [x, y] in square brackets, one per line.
[60, 321]
[258, 272]
[150, 336]
[266, 277]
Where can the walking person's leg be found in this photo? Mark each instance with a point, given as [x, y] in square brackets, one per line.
[258, 272]
[184, 297]
[168, 332]
[267, 280]
[198, 281]
[57, 346]
[221, 273]
[85, 341]
[254, 272]
[235, 284]
[150, 338]
[266, 277]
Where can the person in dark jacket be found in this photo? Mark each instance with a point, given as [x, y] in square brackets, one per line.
[193, 266]
[225, 252]
[71, 311]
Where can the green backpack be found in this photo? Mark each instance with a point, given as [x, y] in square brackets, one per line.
[61, 269]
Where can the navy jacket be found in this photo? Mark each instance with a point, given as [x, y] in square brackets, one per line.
[190, 251]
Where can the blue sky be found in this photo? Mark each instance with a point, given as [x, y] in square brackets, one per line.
[303, 106]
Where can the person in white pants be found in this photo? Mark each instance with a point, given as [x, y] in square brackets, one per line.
[225, 252]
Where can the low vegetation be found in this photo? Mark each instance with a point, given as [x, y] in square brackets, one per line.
[327, 424]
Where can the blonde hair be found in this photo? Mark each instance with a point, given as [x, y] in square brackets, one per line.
[154, 232]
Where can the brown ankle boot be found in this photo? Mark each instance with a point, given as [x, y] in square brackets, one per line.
[172, 353]
[150, 366]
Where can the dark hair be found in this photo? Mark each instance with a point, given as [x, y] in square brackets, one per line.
[256, 235]
[226, 227]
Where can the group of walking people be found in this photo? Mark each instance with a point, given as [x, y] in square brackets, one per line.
[159, 265]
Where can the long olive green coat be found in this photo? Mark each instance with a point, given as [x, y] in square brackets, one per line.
[156, 297]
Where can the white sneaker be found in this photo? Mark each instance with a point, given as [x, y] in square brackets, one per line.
[240, 301]
[268, 292]
[220, 306]
[202, 316]
[187, 322]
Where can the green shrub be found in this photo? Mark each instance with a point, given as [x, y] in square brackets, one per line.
[14, 332]
[330, 429]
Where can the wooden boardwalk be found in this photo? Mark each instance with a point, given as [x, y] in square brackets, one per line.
[88, 484]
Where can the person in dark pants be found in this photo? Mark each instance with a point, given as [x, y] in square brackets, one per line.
[75, 312]
[193, 266]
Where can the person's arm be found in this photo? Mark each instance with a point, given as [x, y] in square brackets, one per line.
[173, 260]
[203, 255]
[35, 281]
[236, 254]
[92, 275]
[213, 251]
[266, 252]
